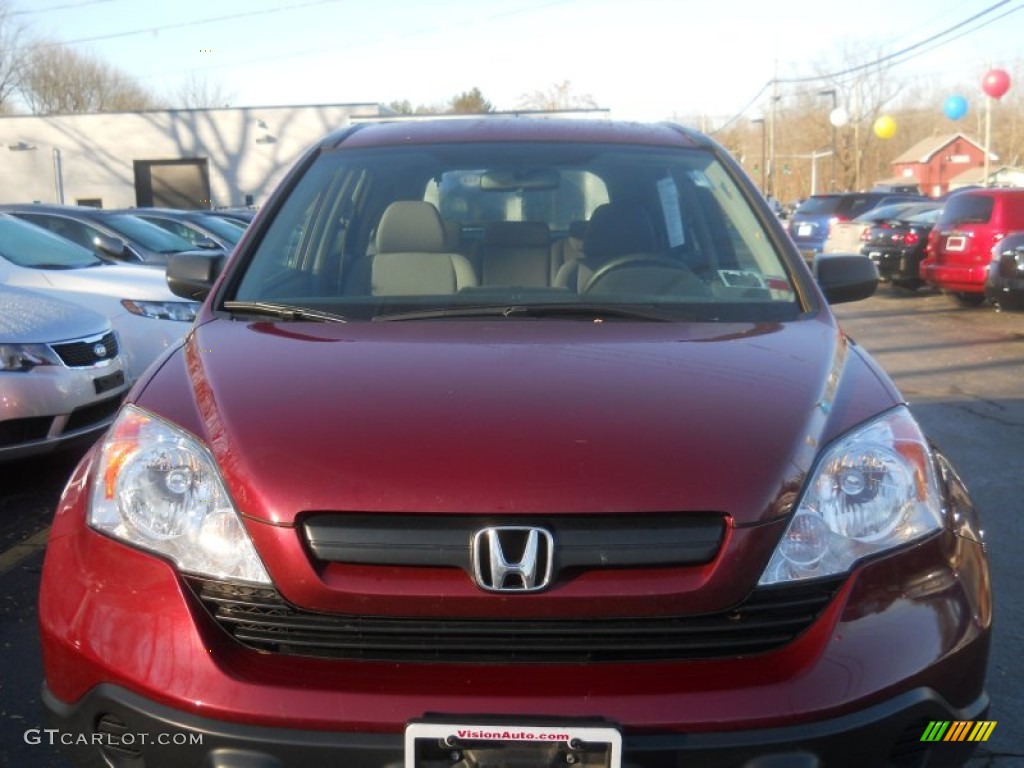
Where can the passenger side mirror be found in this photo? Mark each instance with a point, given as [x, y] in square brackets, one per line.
[845, 276]
[191, 275]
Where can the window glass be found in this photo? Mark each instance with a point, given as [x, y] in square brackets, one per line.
[29, 246]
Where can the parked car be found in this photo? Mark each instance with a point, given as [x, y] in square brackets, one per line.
[135, 299]
[1004, 286]
[899, 245]
[62, 376]
[961, 244]
[200, 228]
[114, 235]
[242, 215]
[810, 223]
[395, 504]
[849, 236]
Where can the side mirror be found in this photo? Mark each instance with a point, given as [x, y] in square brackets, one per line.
[112, 247]
[845, 276]
[206, 243]
[192, 275]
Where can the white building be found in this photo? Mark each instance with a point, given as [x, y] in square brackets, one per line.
[181, 158]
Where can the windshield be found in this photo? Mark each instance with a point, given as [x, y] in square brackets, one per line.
[146, 234]
[227, 229]
[368, 234]
[30, 246]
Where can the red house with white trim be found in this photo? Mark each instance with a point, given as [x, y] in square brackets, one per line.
[935, 162]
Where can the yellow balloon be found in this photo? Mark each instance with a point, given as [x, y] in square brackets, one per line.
[885, 127]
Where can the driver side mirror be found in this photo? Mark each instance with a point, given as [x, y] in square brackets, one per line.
[112, 247]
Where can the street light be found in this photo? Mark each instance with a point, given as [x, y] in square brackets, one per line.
[832, 92]
[58, 167]
[760, 121]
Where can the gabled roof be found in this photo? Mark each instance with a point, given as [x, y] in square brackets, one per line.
[976, 175]
[924, 150]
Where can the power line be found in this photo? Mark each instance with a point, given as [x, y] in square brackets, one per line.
[889, 57]
[65, 7]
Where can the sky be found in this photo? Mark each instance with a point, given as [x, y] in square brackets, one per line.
[641, 59]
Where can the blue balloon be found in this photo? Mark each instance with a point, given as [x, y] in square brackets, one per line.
[955, 107]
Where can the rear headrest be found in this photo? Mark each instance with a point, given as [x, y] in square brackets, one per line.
[577, 229]
[617, 229]
[410, 226]
[516, 233]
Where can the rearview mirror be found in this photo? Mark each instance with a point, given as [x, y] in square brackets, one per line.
[520, 178]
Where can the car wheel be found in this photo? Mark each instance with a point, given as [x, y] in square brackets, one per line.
[965, 299]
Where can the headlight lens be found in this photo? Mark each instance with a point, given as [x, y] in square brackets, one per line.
[873, 490]
[163, 310]
[24, 357]
[158, 489]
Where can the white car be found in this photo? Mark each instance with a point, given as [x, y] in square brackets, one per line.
[62, 376]
[136, 299]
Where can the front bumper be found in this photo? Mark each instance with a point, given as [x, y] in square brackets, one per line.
[904, 641]
[114, 727]
[51, 406]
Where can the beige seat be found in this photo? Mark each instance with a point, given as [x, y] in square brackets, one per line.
[516, 253]
[567, 249]
[614, 230]
[411, 256]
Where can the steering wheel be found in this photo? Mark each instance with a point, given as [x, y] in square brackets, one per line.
[640, 260]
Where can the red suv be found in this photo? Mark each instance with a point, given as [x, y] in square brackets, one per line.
[960, 245]
[431, 484]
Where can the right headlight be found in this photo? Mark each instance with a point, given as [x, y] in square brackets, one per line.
[873, 490]
[157, 488]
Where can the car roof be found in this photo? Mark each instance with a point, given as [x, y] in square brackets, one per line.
[506, 129]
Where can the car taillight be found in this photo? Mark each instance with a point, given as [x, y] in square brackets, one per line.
[911, 238]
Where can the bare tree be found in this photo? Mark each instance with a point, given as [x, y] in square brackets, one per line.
[58, 80]
[197, 92]
[12, 56]
[559, 96]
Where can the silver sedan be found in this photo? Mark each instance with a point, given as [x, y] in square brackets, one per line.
[62, 376]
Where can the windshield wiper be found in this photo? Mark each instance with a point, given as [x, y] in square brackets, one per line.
[283, 311]
[579, 311]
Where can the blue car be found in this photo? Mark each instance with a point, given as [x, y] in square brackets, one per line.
[810, 222]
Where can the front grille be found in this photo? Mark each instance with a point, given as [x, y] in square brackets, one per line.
[93, 414]
[18, 431]
[81, 354]
[260, 619]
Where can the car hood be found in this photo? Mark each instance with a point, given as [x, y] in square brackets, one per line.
[28, 317]
[518, 416]
[122, 280]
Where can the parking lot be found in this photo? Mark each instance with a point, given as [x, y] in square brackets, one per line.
[959, 368]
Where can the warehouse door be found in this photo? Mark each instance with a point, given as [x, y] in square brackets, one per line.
[173, 183]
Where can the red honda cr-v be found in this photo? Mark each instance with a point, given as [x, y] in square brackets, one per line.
[430, 484]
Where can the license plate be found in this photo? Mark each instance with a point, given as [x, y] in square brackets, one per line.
[498, 744]
[804, 230]
[108, 382]
[956, 243]
[874, 255]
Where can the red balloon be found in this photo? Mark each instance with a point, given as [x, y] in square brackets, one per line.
[996, 83]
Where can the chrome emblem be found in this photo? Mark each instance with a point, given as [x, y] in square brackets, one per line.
[513, 559]
[99, 350]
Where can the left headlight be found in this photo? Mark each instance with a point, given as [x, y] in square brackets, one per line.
[157, 488]
[25, 357]
[873, 490]
[163, 310]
